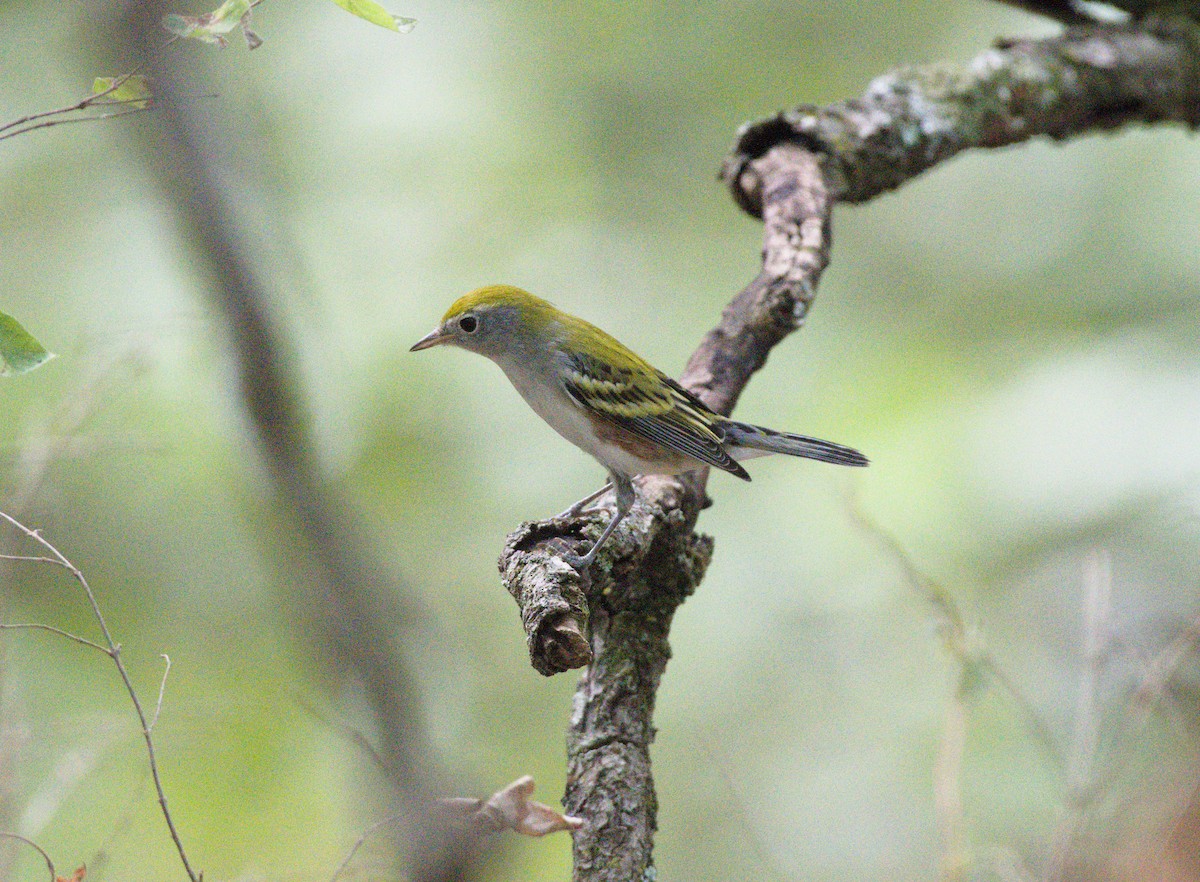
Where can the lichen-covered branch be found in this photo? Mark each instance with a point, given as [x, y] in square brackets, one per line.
[790, 170]
[1089, 79]
[618, 621]
[554, 604]
[609, 783]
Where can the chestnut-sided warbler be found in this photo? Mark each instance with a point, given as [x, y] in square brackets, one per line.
[607, 400]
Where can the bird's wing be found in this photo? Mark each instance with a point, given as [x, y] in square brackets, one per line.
[649, 404]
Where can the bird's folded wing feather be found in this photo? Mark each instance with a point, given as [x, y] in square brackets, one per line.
[649, 404]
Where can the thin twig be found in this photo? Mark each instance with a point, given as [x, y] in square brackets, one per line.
[162, 687]
[45, 441]
[738, 801]
[1145, 699]
[964, 643]
[38, 626]
[49, 863]
[1097, 640]
[114, 652]
[29, 558]
[394, 819]
[79, 105]
[48, 118]
[1160, 670]
[350, 733]
[49, 123]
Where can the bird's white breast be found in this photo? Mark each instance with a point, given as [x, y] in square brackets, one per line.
[545, 394]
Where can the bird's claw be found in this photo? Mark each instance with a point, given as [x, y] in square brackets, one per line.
[588, 503]
[577, 562]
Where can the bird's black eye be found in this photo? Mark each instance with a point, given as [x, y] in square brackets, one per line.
[468, 323]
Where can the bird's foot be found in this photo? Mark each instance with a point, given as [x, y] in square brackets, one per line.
[583, 504]
[580, 563]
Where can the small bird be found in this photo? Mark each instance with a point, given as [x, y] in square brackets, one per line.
[606, 400]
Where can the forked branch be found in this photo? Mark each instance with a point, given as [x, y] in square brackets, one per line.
[113, 650]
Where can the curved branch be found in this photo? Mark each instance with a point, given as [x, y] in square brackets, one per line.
[790, 170]
[654, 560]
[554, 604]
[1088, 79]
[17, 837]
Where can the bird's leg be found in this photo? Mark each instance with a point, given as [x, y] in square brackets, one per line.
[584, 503]
[625, 498]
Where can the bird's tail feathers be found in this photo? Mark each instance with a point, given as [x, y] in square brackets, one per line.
[744, 441]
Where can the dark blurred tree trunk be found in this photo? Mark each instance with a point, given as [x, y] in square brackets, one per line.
[355, 602]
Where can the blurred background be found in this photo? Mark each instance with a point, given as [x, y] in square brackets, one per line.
[1011, 339]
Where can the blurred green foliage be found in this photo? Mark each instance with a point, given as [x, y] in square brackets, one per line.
[1011, 338]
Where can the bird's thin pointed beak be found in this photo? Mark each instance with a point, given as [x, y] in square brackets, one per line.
[433, 338]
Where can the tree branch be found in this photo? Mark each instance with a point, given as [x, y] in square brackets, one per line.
[790, 169]
[654, 561]
[1092, 78]
[61, 115]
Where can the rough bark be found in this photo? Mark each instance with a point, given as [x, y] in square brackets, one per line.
[1090, 79]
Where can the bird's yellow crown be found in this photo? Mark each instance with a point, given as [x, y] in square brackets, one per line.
[499, 295]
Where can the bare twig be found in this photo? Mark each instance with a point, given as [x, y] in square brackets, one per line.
[113, 650]
[1097, 641]
[61, 115]
[44, 441]
[947, 785]
[79, 105]
[350, 733]
[358, 843]
[50, 123]
[963, 642]
[19, 838]
[38, 626]
[740, 804]
[29, 558]
[1146, 698]
[1161, 669]
[162, 687]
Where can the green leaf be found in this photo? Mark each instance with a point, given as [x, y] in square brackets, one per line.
[376, 14]
[19, 351]
[213, 26]
[131, 89]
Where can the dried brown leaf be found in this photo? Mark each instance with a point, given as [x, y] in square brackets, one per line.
[510, 809]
